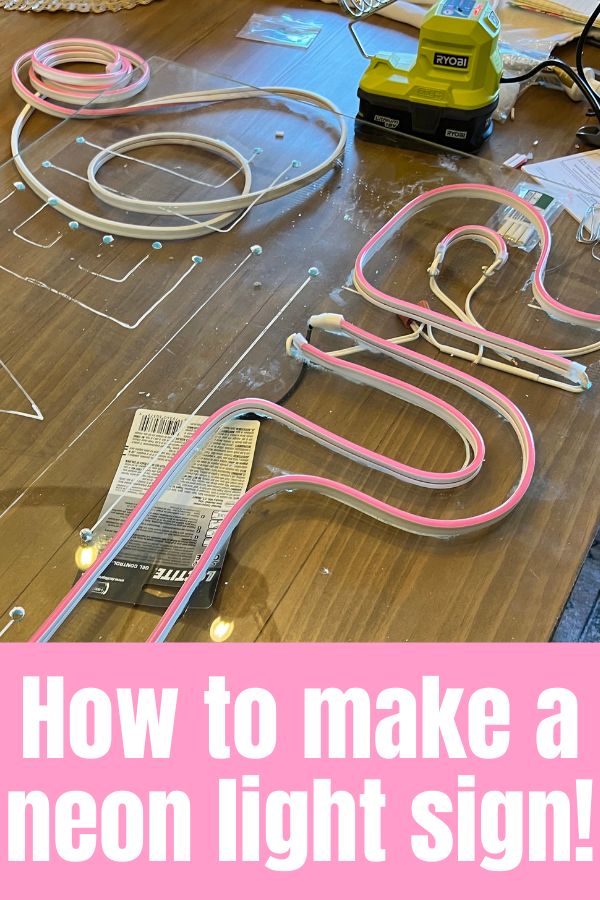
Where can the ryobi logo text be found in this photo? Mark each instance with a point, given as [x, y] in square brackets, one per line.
[450, 61]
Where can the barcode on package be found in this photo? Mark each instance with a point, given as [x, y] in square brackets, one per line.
[156, 424]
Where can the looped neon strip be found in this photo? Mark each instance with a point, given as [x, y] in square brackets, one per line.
[480, 233]
[496, 243]
[550, 304]
[76, 88]
[345, 494]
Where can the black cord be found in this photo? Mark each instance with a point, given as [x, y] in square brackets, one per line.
[578, 74]
[299, 378]
[580, 81]
[255, 417]
[582, 40]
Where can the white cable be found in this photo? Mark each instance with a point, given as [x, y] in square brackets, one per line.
[467, 315]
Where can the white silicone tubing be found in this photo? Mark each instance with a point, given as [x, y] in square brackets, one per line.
[81, 95]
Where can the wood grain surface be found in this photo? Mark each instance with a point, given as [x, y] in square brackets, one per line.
[298, 568]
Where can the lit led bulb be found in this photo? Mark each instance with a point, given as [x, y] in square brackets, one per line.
[87, 552]
[221, 629]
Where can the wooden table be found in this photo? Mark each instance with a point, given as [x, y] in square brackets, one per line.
[298, 568]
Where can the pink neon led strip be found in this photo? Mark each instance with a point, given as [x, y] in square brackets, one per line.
[120, 66]
[79, 89]
[550, 304]
[343, 493]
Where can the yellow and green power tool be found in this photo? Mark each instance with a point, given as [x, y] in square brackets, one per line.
[447, 92]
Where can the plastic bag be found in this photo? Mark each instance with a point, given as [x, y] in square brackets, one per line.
[280, 30]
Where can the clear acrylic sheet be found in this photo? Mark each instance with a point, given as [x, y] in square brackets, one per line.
[153, 329]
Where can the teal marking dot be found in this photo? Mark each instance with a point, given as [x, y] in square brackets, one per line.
[197, 259]
[296, 164]
[313, 272]
[256, 249]
[19, 185]
[156, 245]
[52, 201]
[80, 140]
[46, 164]
[107, 239]
[73, 226]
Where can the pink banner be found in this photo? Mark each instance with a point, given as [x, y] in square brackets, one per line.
[299, 770]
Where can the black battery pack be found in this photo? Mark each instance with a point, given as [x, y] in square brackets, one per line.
[392, 121]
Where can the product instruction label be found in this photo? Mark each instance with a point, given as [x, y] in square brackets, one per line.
[160, 556]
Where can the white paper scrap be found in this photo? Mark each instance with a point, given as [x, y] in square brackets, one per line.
[574, 180]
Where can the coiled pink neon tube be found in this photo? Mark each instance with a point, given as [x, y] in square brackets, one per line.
[126, 74]
[81, 95]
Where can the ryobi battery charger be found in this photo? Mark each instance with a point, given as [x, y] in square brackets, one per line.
[448, 90]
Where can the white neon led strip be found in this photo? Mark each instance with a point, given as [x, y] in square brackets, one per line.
[116, 198]
[115, 153]
[90, 96]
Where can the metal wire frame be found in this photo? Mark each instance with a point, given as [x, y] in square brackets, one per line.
[361, 8]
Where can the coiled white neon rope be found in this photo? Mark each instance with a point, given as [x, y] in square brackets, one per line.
[189, 208]
[90, 96]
